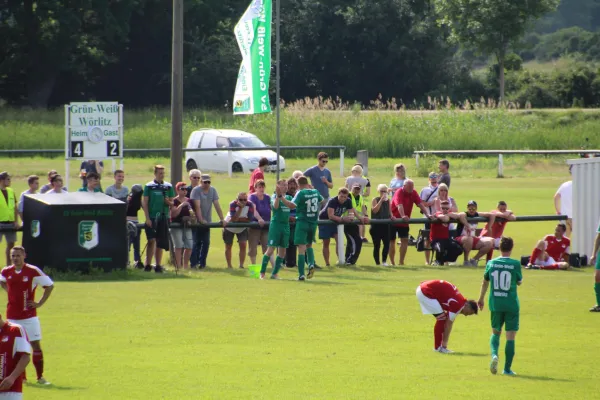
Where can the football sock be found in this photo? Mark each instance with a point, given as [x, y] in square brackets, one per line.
[597, 289]
[495, 344]
[301, 261]
[38, 362]
[278, 264]
[265, 262]
[534, 256]
[438, 333]
[310, 256]
[551, 266]
[509, 350]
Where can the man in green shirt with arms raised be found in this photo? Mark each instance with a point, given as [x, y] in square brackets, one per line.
[279, 228]
[595, 258]
[504, 274]
[307, 203]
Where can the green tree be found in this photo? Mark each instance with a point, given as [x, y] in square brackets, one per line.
[491, 26]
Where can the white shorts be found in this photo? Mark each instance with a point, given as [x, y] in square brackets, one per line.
[546, 263]
[31, 326]
[428, 306]
[497, 243]
[11, 396]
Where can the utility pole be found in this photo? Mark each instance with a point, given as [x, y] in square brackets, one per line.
[177, 93]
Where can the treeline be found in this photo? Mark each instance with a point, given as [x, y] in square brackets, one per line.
[54, 52]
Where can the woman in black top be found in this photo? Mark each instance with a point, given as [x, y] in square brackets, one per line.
[380, 209]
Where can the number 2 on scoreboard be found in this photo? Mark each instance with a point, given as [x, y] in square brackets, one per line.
[112, 148]
[76, 149]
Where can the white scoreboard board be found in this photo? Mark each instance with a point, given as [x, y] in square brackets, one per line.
[94, 131]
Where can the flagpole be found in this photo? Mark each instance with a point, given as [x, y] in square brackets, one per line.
[277, 60]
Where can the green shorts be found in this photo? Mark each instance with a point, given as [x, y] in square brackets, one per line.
[510, 320]
[598, 261]
[279, 235]
[305, 232]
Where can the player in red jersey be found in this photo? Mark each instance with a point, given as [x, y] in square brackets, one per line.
[20, 281]
[553, 251]
[14, 356]
[444, 301]
[501, 216]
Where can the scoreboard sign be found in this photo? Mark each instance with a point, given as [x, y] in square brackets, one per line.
[94, 131]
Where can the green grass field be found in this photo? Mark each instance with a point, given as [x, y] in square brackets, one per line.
[350, 333]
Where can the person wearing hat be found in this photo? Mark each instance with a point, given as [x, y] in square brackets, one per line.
[428, 195]
[204, 198]
[134, 203]
[9, 213]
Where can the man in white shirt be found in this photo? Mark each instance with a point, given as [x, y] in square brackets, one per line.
[563, 203]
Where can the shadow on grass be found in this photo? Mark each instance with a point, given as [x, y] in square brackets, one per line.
[324, 283]
[53, 387]
[470, 354]
[394, 294]
[541, 378]
[357, 278]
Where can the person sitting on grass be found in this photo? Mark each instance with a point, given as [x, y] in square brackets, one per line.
[552, 252]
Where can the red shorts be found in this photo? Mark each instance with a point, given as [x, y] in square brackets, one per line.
[460, 238]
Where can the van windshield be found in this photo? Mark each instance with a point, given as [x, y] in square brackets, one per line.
[246, 142]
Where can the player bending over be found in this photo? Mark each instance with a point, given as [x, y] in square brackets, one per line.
[504, 274]
[307, 202]
[444, 301]
[552, 252]
[279, 228]
[20, 281]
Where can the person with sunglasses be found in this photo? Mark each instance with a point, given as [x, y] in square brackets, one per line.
[204, 198]
[240, 210]
[181, 235]
[195, 177]
[320, 177]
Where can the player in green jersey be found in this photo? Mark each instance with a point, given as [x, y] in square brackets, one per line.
[279, 229]
[307, 203]
[504, 274]
[596, 258]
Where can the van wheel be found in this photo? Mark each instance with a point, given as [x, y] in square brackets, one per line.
[237, 167]
[190, 165]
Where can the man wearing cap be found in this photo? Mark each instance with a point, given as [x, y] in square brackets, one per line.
[428, 196]
[9, 213]
[204, 197]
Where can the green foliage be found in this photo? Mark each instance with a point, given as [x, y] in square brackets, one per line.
[383, 133]
[573, 41]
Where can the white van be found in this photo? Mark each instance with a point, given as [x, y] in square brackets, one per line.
[218, 160]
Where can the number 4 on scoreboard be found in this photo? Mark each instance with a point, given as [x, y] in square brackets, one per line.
[77, 149]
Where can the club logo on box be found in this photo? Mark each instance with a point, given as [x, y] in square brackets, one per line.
[35, 228]
[88, 234]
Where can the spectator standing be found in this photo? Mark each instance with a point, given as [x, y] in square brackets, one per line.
[156, 202]
[334, 211]
[262, 215]
[365, 190]
[290, 253]
[297, 174]
[320, 177]
[428, 196]
[380, 234]
[93, 184]
[444, 195]
[195, 178]
[240, 210]
[48, 186]
[57, 185]
[33, 181]
[444, 176]
[258, 174]
[402, 205]
[563, 203]
[117, 190]
[134, 204]
[182, 235]
[398, 180]
[204, 197]
[86, 167]
[353, 240]
[9, 213]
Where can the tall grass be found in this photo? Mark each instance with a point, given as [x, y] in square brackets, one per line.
[386, 130]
